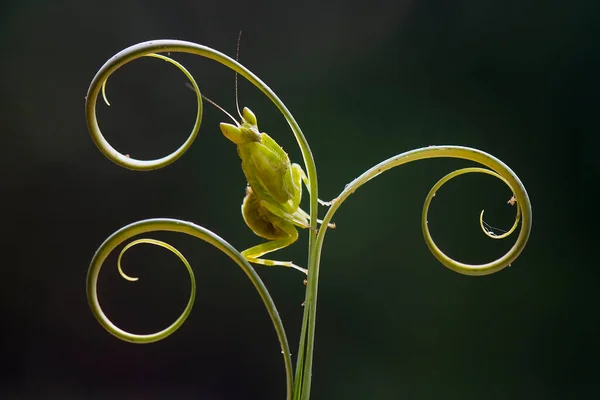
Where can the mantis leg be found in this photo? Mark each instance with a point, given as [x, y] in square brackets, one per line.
[252, 254]
[298, 171]
[307, 216]
[298, 218]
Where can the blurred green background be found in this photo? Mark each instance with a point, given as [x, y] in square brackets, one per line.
[366, 81]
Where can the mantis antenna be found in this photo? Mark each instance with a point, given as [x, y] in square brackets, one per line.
[237, 58]
[222, 109]
[237, 104]
[214, 104]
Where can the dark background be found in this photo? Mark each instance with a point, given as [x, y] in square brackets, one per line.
[366, 81]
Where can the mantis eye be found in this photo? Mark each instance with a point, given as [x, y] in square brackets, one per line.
[232, 133]
[249, 116]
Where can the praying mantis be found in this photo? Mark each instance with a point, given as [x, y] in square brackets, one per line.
[271, 207]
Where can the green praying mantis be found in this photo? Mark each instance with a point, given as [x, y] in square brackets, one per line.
[271, 207]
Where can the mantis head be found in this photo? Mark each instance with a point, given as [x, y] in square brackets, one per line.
[246, 132]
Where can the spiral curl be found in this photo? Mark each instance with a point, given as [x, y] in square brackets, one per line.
[496, 168]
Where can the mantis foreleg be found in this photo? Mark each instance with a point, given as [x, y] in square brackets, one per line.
[299, 218]
[298, 171]
[253, 253]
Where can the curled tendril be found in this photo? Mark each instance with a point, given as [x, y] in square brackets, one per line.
[488, 233]
[438, 185]
[186, 312]
[496, 168]
[125, 160]
[174, 225]
[493, 235]
[301, 385]
[160, 244]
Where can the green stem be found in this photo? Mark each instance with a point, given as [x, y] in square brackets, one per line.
[300, 360]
